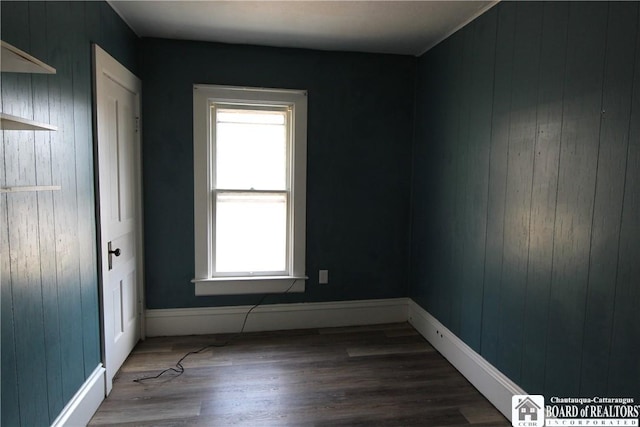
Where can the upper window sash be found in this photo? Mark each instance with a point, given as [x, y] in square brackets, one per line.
[286, 112]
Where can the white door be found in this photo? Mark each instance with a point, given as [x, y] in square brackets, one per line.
[117, 98]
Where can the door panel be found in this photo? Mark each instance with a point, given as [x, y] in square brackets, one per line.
[118, 107]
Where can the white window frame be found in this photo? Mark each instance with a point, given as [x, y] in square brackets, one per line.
[204, 97]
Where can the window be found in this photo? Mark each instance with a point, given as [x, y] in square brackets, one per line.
[249, 189]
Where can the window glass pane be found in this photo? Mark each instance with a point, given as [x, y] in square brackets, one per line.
[251, 232]
[251, 149]
[266, 117]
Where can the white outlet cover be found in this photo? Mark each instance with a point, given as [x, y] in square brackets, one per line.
[323, 277]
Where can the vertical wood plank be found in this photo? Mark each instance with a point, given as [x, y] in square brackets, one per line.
[462, 78]
[518, 187]
[84, 187]
[46, 225]
[8, 369]
[424, 271]
[444, 209]
[576, 188]
[117, 38]
[440, 189]
[15, 23]
[10, 409]
[605, 233]
[429, 215]
[480, 100]
[23, 237]
[451, 141]
[22, 212]
[65, 201]
[497, 180]
[93, 22]
[543, 196]
[441, 151]
[16, 100]
[624, 362]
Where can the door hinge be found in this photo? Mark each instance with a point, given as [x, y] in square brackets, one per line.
[137, 124]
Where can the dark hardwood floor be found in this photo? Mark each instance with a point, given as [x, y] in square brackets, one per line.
[355, 376]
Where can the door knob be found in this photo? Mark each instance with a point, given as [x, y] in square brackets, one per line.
[116, 252]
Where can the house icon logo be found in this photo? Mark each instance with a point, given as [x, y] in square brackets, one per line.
[527, 411]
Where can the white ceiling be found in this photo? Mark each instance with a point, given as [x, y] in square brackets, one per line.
[401, 27]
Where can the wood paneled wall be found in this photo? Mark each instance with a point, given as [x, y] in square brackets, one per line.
[50, 309]
[359, 131]
[526, 193]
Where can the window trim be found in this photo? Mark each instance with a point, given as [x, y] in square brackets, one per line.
[205, 282]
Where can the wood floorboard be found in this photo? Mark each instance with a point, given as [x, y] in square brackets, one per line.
[381, 375]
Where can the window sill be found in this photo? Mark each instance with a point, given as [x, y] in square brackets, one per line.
[250, 285]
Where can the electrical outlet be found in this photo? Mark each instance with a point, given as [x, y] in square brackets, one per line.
[323, 277]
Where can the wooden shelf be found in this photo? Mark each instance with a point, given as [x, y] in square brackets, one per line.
[23, 188]
[9, 122]
[15, 60]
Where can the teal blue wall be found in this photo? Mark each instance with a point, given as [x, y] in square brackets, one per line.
[526, 193]
[524, 233]
[50, 320]
[358, 164]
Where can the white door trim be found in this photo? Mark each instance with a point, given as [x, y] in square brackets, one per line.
[106, 65]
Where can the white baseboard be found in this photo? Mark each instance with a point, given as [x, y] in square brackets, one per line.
[273, 317]
[85, 402]
[492, 383]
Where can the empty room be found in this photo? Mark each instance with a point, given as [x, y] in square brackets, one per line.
[299, 213]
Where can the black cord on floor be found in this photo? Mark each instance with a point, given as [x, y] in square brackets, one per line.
[179, 369]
